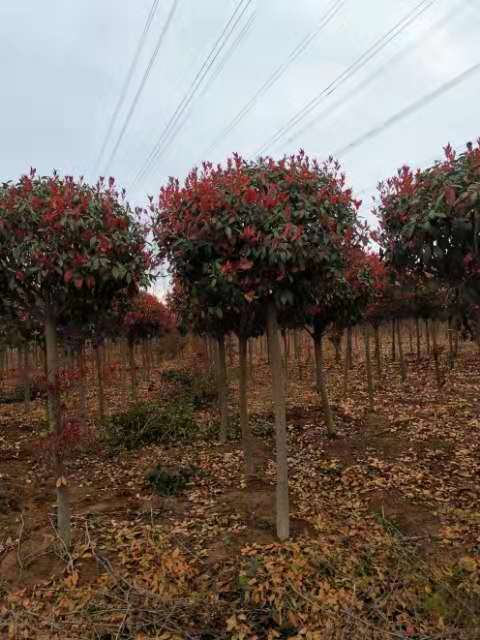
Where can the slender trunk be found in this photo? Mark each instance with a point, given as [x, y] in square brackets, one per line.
[250, 357]
[349, 350]
[26, 377]
[231, 357]
[436, 355]
[82, 385]
[451, 352]
[321, 383]
[133, 370]
[244, 426]
[278, 393]
[368, 366]
[337, 345]
[427, 336]
[403, 368]
[417, 334]
[410, 337]
[378, 351]
[64, 524]
[394, 356]
[455, 339]
[222, 388]
[100, 387]
[347, 363]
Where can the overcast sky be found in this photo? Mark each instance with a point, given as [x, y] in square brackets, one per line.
[64, 62]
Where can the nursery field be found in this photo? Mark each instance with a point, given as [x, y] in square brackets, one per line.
[172, 540]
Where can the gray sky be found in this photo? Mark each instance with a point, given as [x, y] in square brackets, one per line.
[63, 63]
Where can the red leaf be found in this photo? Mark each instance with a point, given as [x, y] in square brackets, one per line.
[245, 264]
[67, 276]
[78, 282]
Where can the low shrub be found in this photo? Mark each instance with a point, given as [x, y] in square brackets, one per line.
[147, 423]
[38, 390]
[166, 482]
[198, 386]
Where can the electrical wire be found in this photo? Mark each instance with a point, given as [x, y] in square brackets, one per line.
[353, 68]
[175, 122]
[142, 84]
[300, 48]
[410, 109]
[362, 86]
[231, 50]
[126, 85]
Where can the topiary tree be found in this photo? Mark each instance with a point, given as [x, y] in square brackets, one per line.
[146, 318]
[65, 246]
[430, 222]
[257, 233]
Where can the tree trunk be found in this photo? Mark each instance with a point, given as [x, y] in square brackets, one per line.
[222, 388]
[133, 370]
[436, 355]
[100, 387]
[394, 356]
[349, 349]
[26, 377]
[403, 368]
[64, 524]
[250, 357]
[451, 352]
[378, 351]
[417, 334]
[82, 385]
[337, 345]
[455, 339]
[427, 336]
[321, 383]
[368, 366]
[347, 363]
[278, 393]
[244, 426]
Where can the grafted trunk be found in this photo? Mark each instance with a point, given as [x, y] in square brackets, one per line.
[278, 393]
[222, 387]
[321, 382]
[244, 426]
[64, 524]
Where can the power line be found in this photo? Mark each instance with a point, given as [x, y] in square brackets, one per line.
[173, 127]
[360, 87]
[410, 109]
[300, 48]
[175, 123]
[143, 82]
[358, 64]
[233, 47]
[126, 84]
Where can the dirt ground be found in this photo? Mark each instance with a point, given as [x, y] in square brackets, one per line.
[385, 520]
